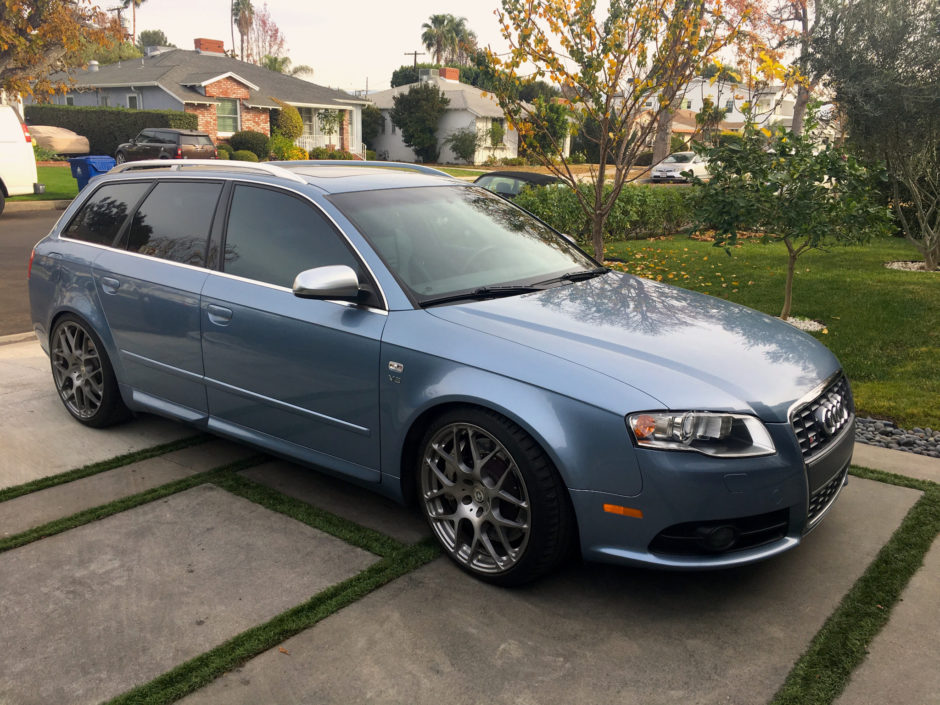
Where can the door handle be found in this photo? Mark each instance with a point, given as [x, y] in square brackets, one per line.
[219, 315]
[110, 285]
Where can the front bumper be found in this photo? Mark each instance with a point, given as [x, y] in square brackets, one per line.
[768, 503]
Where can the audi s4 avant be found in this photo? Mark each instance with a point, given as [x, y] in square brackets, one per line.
[430, 340]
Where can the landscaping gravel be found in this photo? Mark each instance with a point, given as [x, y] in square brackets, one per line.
[884, 434]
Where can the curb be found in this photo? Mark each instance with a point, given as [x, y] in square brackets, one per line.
[25, 206]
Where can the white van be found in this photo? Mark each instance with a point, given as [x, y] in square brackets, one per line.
[17, 161]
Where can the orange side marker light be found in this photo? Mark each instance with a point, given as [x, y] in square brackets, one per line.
[623, 511]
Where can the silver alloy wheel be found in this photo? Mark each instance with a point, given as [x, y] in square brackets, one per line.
[76, 366]
[476, 498]
[120, 158]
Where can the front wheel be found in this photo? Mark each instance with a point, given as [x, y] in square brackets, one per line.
[83, 375]
[120, 158]
[492, 497]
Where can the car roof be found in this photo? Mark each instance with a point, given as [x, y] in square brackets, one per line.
[327, 176]
[533, 177]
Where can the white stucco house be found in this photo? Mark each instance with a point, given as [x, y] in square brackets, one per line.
[469, 107]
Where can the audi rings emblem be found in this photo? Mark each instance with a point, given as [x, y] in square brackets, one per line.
[832, 413]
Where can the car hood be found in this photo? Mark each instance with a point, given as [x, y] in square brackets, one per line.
[687, 350]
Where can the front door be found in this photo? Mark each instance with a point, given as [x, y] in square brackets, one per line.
[297, 376]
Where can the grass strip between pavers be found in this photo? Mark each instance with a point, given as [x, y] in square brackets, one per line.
[344, 529]
[123, 504]
[136, 456]
[202, 670]
[823, 671]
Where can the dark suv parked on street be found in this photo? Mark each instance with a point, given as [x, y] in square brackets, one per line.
[165, 143]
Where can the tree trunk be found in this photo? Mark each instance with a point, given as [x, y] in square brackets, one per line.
[134, 23]
[232, 13]
[799, 109]
[788, 289]
[663, 136]
[597, 236]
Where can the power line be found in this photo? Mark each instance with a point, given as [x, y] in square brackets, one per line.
[415, 54]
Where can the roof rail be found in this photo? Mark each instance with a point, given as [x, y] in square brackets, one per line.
[219, 164]
[356, 162]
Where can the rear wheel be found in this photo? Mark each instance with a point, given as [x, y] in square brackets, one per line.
[3, 201]
[83, 375]
[492, 497]
[120, 158]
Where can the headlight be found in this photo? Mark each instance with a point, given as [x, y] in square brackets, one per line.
[720, 435]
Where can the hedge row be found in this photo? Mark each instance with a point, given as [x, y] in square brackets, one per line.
[640, 211]
[106, 128]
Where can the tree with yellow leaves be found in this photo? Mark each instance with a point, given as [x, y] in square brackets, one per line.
[616, 68]
[37, 36]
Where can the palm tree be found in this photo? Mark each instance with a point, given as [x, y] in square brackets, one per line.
[133, 4]
[282, 64]
[464, 40]
[243, 14]
[438, 35]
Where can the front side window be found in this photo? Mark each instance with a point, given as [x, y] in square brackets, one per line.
[227, 115]
[99, 221]
[273, 236]
[445, 240]
[173, 222]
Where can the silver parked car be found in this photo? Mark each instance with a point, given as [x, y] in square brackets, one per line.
[428, 339]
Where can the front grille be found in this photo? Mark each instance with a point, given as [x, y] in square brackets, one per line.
[819, 421]
[690, 539]
[824, 496]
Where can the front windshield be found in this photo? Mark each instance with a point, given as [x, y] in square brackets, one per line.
[443, 240]
[679, 158]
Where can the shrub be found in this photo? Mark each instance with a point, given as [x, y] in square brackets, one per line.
[463, 143]
[256, 142]
[577, 158]
[243, 155]
[45, 155]
[225, 150]
[287, 121]
[514, 161]
[371, 155]
[640, 211]
[644, 158]
[324, 153]
[283, 149]
[106, 128]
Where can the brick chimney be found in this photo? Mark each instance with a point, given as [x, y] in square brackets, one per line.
[450, 74]
[209, 46]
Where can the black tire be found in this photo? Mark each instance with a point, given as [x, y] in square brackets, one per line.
[83, 375]
[497, 506]
[120, 158]
[3, 201]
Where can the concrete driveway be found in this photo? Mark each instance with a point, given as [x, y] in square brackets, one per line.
[160, 567]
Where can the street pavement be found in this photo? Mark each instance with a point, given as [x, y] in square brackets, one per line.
[96, 610]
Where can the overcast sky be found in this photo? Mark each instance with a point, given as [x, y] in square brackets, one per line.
[346, 43]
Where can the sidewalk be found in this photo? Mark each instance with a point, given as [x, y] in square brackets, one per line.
[106, 605]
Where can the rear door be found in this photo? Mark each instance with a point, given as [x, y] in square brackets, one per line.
[150, 295]
[297, 376]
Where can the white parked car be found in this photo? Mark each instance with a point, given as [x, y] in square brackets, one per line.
[671, 168]
[17, 161]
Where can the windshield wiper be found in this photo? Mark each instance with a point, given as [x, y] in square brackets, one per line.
[578, 276]
[485, 292]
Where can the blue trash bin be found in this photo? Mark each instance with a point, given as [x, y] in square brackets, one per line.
[83, 168]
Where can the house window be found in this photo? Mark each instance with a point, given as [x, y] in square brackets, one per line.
[648, 104]
[307, 115]
[103, 100]
[70, 100]
[729, 104]
[688, 105]
[227, 115]
[132, 101]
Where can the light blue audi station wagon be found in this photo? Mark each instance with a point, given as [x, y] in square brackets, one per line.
[428, 339]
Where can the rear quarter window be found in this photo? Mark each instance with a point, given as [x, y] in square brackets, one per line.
[196, 140]
[99, 221]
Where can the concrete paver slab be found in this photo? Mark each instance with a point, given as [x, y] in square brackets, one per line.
[902, 663]
[922, 467]
[590, 634]
[89, 613]
[39, 438]
[38, 508]
[341, 498]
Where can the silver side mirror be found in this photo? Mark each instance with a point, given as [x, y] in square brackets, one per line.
[333, 282]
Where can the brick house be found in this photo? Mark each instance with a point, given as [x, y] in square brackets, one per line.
[226, 94]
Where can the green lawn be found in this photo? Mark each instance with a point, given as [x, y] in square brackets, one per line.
[60, 185]
[453, 171]
[881, 323]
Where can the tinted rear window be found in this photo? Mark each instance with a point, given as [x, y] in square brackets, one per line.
[102, 216]
[173, 222]
[196, 140]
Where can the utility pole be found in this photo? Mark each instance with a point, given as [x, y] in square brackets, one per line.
[415, 54]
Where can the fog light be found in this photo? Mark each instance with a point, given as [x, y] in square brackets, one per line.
[719, 538]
